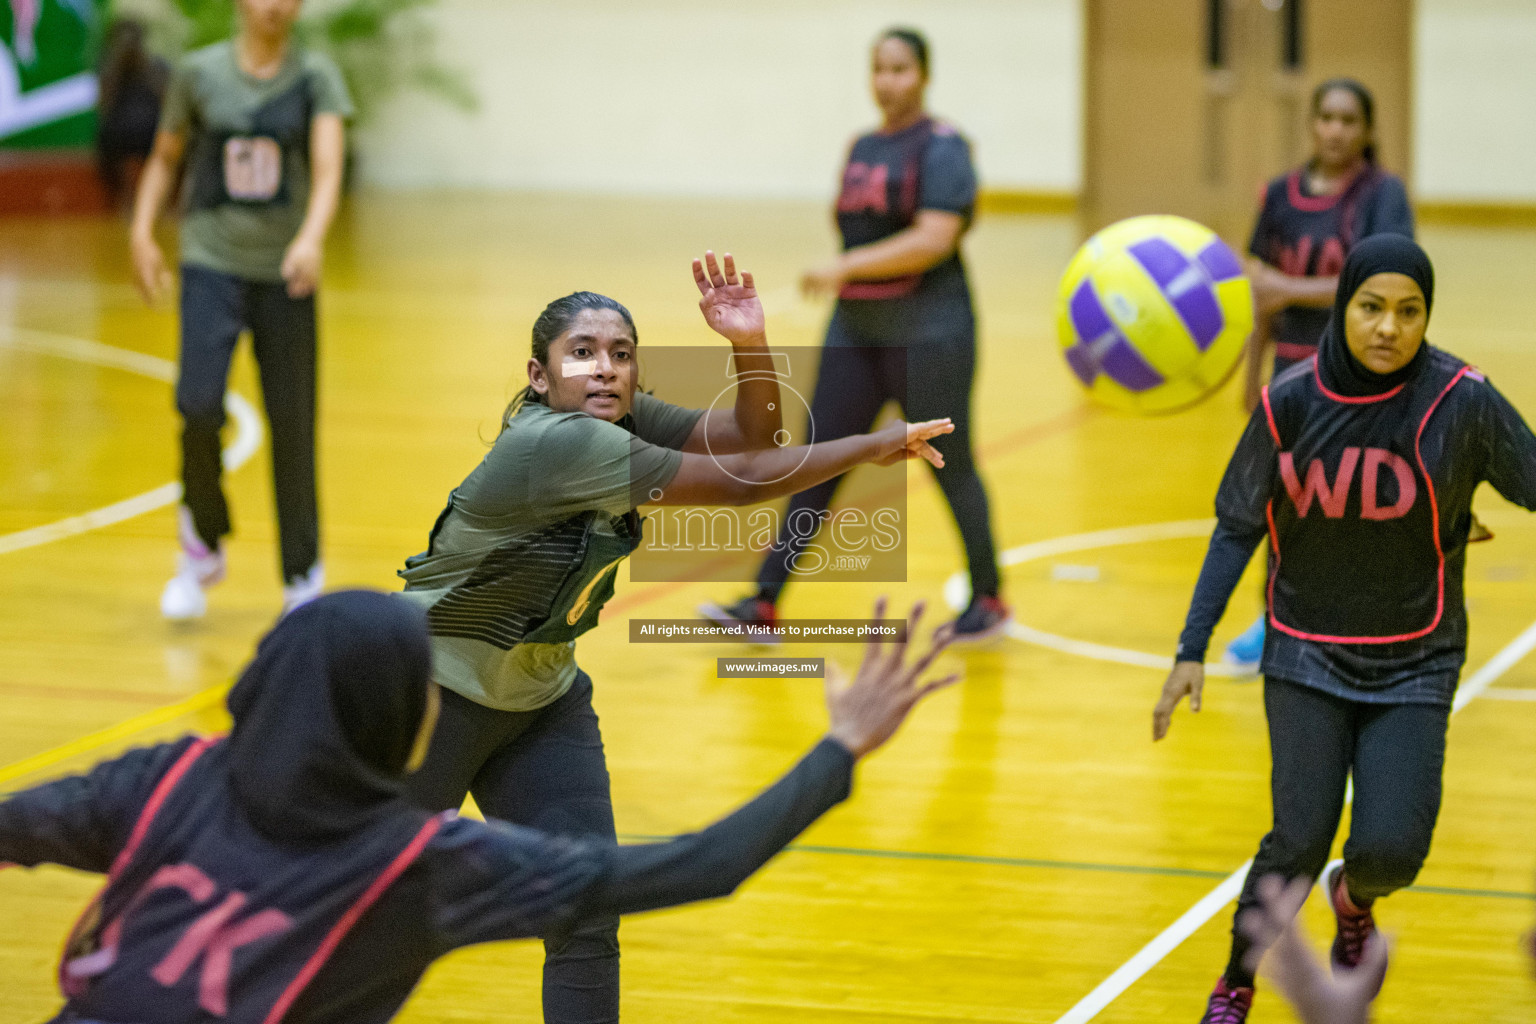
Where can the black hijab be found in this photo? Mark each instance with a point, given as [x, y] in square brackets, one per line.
[326, 715]
[1341, 372]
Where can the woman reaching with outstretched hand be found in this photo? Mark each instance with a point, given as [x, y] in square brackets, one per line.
[522, 559]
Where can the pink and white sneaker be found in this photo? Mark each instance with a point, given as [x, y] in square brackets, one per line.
[197, 568]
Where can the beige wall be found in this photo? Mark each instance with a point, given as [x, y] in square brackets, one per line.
[678, 97]
[684, 97]
[1475, 101]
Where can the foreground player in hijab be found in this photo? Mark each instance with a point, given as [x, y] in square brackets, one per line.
[279, 874]
[1368, 629]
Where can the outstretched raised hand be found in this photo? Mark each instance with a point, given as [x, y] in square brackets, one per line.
[910, 441]
[868, 711]
[729, 303]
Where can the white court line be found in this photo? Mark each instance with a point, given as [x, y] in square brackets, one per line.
[1497, 666]
[248, 432]
[957, 591]
[1510, 693]
[1217, 899]
[1153, 952]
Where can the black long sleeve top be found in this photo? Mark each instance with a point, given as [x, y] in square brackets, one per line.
[472, 882]
[1474, 435]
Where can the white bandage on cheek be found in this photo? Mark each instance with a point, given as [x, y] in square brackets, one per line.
[579, 367]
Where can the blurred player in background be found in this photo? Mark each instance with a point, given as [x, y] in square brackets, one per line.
[131, 85]
[1311, 217]
[904, 329]
[1360, 467]
[260, 121]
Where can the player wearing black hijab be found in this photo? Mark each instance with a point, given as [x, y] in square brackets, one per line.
[1311, 217]
[1359, 466]
[280, 874]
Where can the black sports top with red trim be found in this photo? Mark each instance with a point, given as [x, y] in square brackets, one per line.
[1310, 236]
[206, 918]
[1367, 502]
[888, 178]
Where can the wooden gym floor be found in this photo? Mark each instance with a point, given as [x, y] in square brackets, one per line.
[1016, 845]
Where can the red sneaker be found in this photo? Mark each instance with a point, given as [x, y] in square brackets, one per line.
[755, 617]
[983, 619]
[1228, 1005]
[1355, 924]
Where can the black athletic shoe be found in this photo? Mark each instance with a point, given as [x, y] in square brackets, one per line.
[983, 619]
[754, 613]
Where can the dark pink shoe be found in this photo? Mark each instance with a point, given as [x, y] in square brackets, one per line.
[983, 619]
[1355, 924]
[752, 617]
[1228, 1005]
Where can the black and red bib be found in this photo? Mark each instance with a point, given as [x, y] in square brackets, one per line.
[1305, 235]
[203, 918]
[879, 197]
[1354, 521]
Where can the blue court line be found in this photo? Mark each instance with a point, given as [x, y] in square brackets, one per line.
[1076, 865]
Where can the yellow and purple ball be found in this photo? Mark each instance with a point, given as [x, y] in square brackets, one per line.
[1153, 313]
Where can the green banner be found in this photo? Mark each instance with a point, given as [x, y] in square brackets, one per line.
[48, 73]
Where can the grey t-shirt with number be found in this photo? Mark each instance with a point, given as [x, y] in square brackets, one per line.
[545, 467]
[246, 185]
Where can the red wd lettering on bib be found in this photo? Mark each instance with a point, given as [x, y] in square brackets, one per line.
[1331, 497]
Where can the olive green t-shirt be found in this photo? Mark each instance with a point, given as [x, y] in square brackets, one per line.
[245, 188]
[545, 467]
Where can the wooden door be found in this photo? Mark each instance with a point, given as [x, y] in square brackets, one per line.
[1193, 104]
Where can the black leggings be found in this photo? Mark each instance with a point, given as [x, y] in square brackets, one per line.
[544, 769]
[215, 308]
[854, 381]
[1396, 753]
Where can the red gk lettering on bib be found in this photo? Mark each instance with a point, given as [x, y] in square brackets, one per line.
[253, 168]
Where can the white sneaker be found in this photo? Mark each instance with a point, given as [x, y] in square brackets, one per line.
[303, 589]
[183, 599]
[197, 569]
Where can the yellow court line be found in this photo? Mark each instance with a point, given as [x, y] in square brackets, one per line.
[113, 733]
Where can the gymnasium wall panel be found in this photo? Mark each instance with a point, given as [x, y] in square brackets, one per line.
[668, 97]
[1475, 101]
